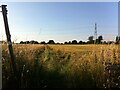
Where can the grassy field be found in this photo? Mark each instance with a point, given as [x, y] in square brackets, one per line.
[62, 66]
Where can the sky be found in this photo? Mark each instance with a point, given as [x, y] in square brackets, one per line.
[60, 21]
[60, 0]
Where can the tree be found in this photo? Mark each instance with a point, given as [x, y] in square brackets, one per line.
[90, 38]
[100, 38]
[27, 42]
[36, 42]
[33, 42]
[69, 42]
[80, 42]
[43, 42]
[117, 39]
[57, 43]
[65, 42]
[105, 42]
[91, 41]
[84, 42]
[21, 42]
[74, 42]
[51, 42]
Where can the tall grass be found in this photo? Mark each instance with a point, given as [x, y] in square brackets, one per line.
[63, 66]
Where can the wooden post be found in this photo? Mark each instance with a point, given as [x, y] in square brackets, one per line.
[12, 57]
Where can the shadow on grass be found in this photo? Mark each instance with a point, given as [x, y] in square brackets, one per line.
[34, 74]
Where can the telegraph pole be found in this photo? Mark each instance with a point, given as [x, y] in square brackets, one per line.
[12, 57]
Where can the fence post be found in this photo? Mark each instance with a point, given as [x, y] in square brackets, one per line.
[12, 57]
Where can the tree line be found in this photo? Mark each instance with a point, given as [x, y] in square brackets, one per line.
[91, 40]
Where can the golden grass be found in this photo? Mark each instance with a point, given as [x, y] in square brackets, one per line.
[70, 66]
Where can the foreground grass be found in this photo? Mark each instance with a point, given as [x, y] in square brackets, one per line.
[63, 66]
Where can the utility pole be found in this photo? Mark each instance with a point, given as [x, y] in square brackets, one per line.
[12, 57]
[95, 34]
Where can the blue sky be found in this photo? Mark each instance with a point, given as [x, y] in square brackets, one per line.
[61, 21]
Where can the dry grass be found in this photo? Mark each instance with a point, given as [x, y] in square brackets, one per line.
[69, 66]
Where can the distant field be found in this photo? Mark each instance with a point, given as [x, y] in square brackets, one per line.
[68, 66]
[88, 47]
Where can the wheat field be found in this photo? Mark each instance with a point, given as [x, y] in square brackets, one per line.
[62, 66]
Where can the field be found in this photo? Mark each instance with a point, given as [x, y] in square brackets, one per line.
[62, 66]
